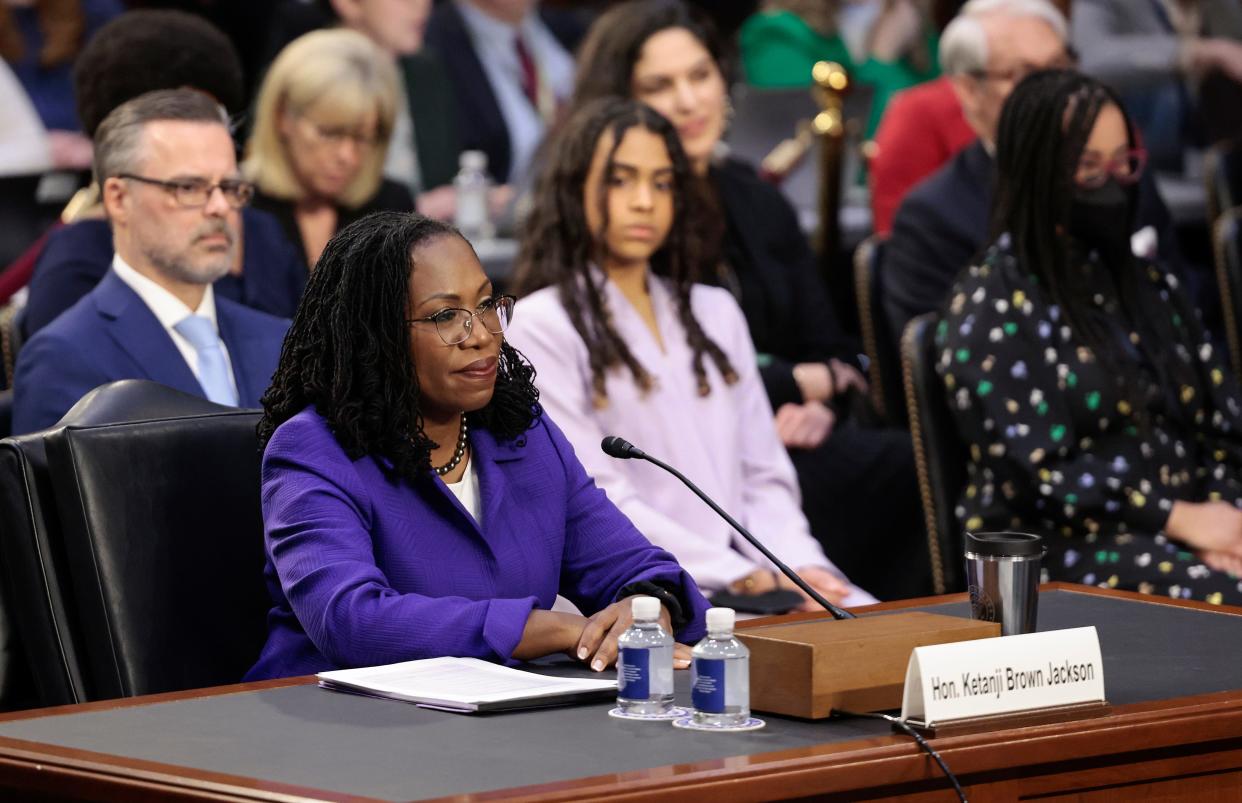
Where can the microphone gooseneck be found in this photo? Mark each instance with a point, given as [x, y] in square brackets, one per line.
[622, 449]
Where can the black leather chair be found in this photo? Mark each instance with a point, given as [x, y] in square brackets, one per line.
[163, 541]
[1222, 171]
[40, 663]
[884, 372]
[1227, 252]
[939, 456]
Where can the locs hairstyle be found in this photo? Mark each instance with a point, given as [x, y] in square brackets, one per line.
[614, 42]
[1044, 126]
[559, 247]
[348, 351]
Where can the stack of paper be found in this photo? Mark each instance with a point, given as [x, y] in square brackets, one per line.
[465, 684]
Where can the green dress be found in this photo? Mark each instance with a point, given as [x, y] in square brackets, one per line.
[779, 50]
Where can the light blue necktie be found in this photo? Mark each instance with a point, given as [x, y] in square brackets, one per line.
[213, 368]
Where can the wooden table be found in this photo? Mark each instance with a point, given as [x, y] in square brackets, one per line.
[1179, 748]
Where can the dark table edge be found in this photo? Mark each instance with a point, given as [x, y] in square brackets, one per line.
[835, 767]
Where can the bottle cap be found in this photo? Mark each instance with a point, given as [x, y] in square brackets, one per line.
[720, 619]
[472, 160]
[646, 609]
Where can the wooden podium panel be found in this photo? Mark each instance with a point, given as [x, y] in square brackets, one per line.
[808, 669]
[1183, 748]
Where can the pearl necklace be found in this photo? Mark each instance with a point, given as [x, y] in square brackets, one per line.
[458, 453]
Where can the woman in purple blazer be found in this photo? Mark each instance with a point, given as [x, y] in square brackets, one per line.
[416, 501]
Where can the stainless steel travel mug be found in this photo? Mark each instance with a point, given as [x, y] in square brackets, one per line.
[1002, 573]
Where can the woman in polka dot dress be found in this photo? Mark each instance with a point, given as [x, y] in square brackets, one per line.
[1095, 409]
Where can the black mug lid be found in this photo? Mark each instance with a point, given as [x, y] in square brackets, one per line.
[1005, 545]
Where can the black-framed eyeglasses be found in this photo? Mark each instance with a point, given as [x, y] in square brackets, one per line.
[196, 192]
[454, 324]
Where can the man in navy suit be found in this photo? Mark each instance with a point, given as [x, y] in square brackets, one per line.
[168, 175]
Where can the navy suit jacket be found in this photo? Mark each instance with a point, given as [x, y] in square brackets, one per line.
[480, 124]
[112, 334]
[77, 256]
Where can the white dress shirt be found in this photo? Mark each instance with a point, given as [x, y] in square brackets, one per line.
[494, 43]
[170, 310]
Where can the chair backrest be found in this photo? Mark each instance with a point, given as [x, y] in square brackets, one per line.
[35, 598]
[163, 536]
[884, 371]
[1227, 253]
[37, 592]
[10, 341]
[939, 457]
[1222, 170]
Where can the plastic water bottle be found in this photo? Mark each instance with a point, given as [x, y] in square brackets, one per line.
[472, 217]
[720, 674]
[645, 663]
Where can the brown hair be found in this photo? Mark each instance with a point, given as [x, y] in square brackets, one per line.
[559, 248]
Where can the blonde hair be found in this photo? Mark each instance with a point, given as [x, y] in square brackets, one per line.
[341, 70]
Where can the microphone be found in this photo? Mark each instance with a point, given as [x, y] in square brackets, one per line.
[622, 449]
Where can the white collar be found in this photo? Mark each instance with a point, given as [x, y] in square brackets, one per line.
[168, 309]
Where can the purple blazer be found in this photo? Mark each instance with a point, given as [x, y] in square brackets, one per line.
[369, 569]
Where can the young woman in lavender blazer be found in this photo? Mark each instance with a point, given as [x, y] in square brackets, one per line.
[627, 343]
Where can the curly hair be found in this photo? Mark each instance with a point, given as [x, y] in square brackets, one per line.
[148, 49]
[559, 248]
[348, 351]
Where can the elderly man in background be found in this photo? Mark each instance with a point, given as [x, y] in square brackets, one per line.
[166, 167]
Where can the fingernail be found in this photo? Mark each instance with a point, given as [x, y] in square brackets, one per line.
[597, 665]
[682, 662]
[582, 653]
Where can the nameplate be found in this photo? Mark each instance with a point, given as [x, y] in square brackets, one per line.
[967, 680]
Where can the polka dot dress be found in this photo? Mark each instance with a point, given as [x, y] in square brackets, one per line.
[1055, 446]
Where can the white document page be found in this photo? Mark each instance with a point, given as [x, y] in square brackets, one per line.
[456, 682]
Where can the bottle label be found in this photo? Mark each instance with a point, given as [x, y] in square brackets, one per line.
[708, 691]
[633, 674]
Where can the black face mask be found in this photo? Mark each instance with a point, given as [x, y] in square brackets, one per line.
[1100, 218]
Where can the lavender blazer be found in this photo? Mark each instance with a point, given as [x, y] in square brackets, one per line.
[369, 569]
